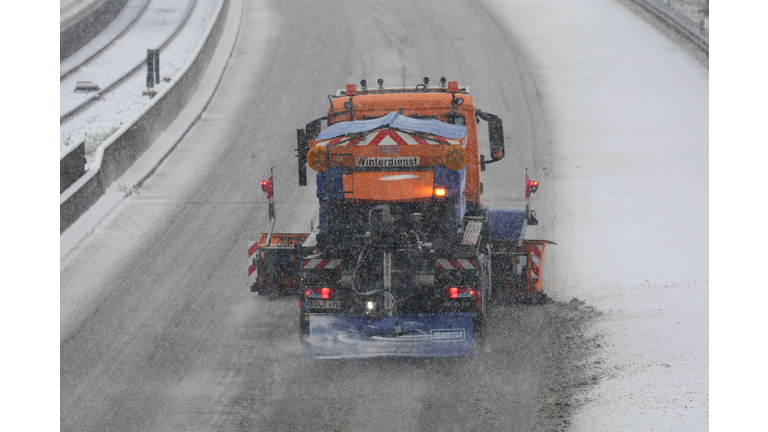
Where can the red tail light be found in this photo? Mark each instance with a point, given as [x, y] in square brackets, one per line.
[321, 293]
[459, 292]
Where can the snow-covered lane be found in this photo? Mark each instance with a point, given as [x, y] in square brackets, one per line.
[628, 111]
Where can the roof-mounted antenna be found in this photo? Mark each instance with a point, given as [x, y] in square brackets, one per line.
[363, 82]
[403, 77]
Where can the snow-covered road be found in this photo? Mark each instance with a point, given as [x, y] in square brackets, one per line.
[608, 114]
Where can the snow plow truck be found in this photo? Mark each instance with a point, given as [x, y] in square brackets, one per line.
[405, 259]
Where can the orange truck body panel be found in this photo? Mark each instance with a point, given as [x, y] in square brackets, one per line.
[283, 240]
[430, 103]
[411, 187]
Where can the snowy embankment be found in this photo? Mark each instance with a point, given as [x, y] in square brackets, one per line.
[127, 101]
[627, 199]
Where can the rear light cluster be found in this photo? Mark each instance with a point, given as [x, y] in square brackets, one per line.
[324, 293]
[463, 292]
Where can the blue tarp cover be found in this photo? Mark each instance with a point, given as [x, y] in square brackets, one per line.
[396, 121]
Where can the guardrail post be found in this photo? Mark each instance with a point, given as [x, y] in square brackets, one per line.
[150, 68]
[157, 66]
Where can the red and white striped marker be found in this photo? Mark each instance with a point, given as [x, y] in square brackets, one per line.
[389, 137]
[455, 264]
[534, 263]
[253, 249]
[317, 264]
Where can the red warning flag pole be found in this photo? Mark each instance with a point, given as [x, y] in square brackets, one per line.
[531, 186]
[268, 187]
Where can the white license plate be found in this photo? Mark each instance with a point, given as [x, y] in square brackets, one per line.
[323, 304]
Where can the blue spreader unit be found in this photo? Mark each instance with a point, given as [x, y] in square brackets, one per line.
[421, 335]
[506, 224]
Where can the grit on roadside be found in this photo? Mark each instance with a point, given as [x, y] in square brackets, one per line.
[570, 368]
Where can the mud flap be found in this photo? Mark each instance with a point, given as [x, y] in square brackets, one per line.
[419, 335]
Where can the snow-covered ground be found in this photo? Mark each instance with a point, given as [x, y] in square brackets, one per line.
[125, 102]
[628, 112]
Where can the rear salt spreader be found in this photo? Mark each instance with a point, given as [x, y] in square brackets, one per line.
[405, 259]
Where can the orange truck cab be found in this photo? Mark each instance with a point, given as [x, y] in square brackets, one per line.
[431, 136]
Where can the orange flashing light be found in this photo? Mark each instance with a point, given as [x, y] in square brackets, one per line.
[440, 192]
[316, 158]
[455, 157]
[351, 89]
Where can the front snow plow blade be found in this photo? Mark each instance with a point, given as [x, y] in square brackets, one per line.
[413, 335]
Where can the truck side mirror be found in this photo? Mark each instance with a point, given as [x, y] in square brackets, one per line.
[301, 150]
[310, 132]
[495, 135]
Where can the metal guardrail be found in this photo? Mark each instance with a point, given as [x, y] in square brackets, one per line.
[101, 50]
[100, 95]
[677, 21]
